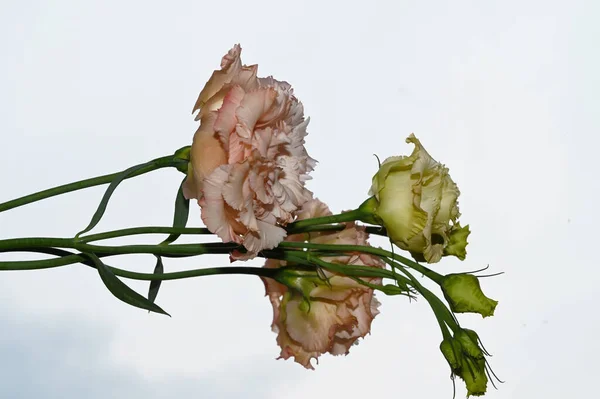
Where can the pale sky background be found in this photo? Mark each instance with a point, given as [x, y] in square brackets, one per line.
[504, 93]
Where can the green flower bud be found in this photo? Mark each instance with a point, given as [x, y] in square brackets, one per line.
[473, 374]
[470, 346]
[463, 293]
[465, 357]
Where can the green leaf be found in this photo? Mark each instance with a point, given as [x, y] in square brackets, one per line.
[180, 218]
[121, 290]
[108, 193]
[155, 284]
[182, 211]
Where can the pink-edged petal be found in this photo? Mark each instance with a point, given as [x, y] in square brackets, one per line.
[262, 140]
[237, 149]
[338, 289]
[258, 185]
[274, 291]
[231, 65]
[254, 104]
[226, 119]
[214, 213]
[248, 218]
[313, 327]
[268, 236]
[246, 77]
[313, 208]
[233, 187]
[289, 348]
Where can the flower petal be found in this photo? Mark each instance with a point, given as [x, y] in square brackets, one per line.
[254, 104]
[231, 65]
[214, 213]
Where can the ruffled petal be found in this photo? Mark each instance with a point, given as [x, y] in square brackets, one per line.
[314, 326]
[226, 119]
[234, 189]
[231, 64]
[214, 214]
[267, 236]
[254, 104]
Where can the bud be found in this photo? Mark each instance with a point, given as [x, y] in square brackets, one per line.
[465, 357]
[463, 293]
[416, 201]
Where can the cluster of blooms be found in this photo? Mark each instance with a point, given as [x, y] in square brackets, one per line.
[248, 168]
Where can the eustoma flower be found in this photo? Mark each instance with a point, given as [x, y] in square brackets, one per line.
[248, 163]
[314, 314]
[416, 200]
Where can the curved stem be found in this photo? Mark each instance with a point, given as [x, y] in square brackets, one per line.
[158, 163]
[142, 230]
[342, 217]
[369, 250]
[16, 244]
[443, 315]
[71, 258]
[202, 230]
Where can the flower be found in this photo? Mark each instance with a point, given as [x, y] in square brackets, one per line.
[416, 201]
[466, 359]
[317, 313]
[463, 293]
[248, 163]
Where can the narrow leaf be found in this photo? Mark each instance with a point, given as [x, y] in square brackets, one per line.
[108, 193]
[182, 211]
[121, 290]
[155, 284]
[180, 218]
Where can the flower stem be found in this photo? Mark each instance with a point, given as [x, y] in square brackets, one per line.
[67, 258]
[142, 230]
[16, 244]
[443, 315]
[436, 277]
[342, 217]
[158, 163]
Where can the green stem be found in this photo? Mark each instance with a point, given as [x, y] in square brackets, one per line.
[15, 244]
[158, 163]
[202, 230]
[369, 250]
[443, 315]
[340, 218]
[142, 230]
[70, 258]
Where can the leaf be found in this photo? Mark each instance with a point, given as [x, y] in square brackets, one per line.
[155, 284]
[121, 290]
[108, 193]
[180, 218]
[182, 211]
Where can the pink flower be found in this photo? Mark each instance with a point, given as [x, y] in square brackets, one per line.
[248, 162]
[337, 313]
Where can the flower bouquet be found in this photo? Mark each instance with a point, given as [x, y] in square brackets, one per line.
[246, 170]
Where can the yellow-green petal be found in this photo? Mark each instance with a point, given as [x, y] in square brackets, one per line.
[457, 241]
[463, 293]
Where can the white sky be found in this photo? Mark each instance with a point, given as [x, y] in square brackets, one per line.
[504, 93]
